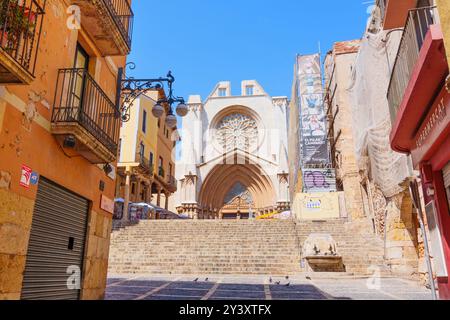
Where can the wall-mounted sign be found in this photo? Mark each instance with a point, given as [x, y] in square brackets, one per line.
[34, 180]
[316, 206]
[107, 204]
[433, 130]
[25, 177]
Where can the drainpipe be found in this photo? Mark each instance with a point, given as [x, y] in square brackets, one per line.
[414, 190]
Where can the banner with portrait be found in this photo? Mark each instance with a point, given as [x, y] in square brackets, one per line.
[313, 121]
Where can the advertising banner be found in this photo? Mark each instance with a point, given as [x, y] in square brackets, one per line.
[313, 128]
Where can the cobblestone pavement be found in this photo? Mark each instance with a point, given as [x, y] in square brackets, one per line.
[261, 288]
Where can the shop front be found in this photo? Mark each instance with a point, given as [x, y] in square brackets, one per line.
[430, 152]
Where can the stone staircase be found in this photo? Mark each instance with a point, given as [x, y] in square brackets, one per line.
[231, 247]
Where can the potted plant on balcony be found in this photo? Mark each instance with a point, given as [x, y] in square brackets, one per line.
[17, 23]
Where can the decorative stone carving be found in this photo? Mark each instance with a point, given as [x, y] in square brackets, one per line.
[320, 250]
[280, 102]
[379, 206]
[237, 131]
[283, 178]
[195, 107]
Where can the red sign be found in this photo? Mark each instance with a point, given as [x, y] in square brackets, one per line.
[434, 130]
[25, 177]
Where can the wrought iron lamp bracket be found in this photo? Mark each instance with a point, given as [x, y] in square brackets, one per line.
[130, 89]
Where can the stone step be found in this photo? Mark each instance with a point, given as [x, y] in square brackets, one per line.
[231, 247]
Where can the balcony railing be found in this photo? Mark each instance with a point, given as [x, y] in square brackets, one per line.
[417, 26]
[172, 181]
[20, 30]
[144, 163]
[80, 100]
[123, 16]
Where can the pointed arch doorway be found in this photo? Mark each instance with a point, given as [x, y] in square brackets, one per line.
[236, 192]
[238, 204]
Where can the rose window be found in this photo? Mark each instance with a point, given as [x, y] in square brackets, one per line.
[237, 131]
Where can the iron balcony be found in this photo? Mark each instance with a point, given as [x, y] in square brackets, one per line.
[20, 32]
[417, 26]
[109, 23]
[84, 112]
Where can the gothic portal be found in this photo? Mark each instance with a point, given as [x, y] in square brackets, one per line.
[233, 162]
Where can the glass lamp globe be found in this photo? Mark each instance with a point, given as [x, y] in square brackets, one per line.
[171, 121]
[158, 110]
[182, 110]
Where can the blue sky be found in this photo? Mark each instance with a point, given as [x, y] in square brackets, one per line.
[207, 41]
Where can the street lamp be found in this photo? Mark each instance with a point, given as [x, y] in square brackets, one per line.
[129, 89]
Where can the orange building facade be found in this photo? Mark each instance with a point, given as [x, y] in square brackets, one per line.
[59, 134]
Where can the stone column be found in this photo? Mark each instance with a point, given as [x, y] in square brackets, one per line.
[195, 213]
[148, 195]
[138, 189]
[127, 194]
[158, 199]
[166, 205]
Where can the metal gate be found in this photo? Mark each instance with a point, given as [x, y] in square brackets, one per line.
[56, 246]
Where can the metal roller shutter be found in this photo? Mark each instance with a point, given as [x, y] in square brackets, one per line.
[56, 243]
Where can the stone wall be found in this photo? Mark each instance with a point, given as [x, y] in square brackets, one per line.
[338, 66]
[402, 249]
[96, 256]
[15, 223]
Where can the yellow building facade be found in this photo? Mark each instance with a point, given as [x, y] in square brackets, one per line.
[146, 166]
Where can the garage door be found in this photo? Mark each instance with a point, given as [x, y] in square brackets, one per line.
[56, 246]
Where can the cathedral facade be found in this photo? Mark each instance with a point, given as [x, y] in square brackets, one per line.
[233, 162]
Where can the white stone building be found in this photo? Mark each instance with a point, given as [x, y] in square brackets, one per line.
[234, 154]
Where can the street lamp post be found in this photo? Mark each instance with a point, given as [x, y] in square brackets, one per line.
[129, 89]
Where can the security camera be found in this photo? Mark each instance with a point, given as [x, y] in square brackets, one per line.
[107, 168]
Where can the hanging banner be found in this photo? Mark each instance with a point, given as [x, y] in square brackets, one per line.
[313, 128]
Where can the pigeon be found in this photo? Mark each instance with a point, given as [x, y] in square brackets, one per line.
[270, 280]
[288, 284]
[287, 277]
[277, 283]
[206, 280]
[308, 278]
[196, 280]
